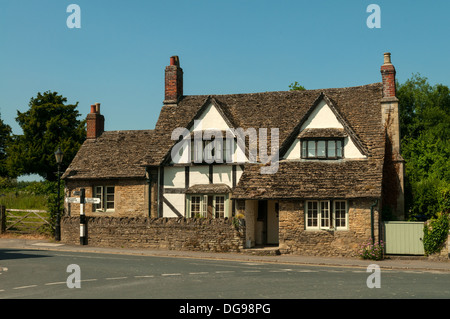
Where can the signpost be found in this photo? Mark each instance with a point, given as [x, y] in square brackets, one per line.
[82, 200]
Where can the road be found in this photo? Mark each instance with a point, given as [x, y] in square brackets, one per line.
[40, 274]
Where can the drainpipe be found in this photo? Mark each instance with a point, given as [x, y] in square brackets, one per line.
[149, 184]
[372, 220]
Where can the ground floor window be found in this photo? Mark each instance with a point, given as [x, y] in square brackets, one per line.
[326, 214]
[106, 195]
[208, 206]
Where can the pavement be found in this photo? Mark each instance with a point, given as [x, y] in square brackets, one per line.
[391, 262]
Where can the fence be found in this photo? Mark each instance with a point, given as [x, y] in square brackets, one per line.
[23, 220]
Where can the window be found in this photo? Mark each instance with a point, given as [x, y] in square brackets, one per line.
[322, 148]
[196, 206]
[340, 212]
[106, 196]
[219, 206]
[208, 206]
[319, 215]
[219, 150]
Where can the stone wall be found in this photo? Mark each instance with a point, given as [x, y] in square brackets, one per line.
[219, 235]
[294, 238]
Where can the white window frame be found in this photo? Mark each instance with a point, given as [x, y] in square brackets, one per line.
[325, 215]
[100, 191]
[345, 212]
[204, 205]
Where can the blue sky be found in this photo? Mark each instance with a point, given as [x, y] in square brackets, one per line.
[118, 55]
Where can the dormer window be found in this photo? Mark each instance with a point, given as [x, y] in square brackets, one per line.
[322, 148]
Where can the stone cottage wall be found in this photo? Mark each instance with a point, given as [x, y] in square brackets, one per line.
[130, 198]
[294, 238]
[219, 235]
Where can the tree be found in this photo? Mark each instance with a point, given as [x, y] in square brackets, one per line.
[48, 123]
[5, 139]
[296, 87]
[425, 131]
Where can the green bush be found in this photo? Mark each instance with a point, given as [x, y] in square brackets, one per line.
[371, 251]
[435, 233]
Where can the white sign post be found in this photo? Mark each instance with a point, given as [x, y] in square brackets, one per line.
[82, 200]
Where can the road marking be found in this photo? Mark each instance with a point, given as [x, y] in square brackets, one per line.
[224, 271]
[199, 273]
[93, 279]
[47, 244]
[144, 276]
[115, 278]
[24, 287]
[55, 283]
[251, 271]
[177, 274]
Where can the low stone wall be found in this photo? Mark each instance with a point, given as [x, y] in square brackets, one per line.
[218, 235]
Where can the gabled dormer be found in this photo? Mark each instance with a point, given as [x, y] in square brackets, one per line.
[209, 137]
[323, 134]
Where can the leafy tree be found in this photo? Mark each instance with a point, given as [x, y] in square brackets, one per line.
[49, 123]
[5, 139]
[296, 87]
[425, 131]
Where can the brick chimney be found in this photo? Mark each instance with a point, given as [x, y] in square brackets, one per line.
[388, 76]
[173, 81]
[394, 166]
[95, 122]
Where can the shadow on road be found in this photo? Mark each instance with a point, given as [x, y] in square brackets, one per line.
[18, 254]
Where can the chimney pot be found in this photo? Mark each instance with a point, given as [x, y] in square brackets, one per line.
[388, 77]
[387, 58]
[95, 122]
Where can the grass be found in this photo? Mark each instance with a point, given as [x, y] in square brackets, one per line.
[23, 200]
[27, 196]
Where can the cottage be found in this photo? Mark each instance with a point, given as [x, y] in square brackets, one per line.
[309, 171]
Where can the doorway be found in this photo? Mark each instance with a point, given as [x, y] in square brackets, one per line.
[267, 223]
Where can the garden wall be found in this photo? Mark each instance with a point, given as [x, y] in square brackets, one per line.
[218, 235]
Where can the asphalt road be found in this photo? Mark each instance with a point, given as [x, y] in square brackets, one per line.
[36, 274]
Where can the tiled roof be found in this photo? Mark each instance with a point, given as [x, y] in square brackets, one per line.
[115, 154]
[123, 154]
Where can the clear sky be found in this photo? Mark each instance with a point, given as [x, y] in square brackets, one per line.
[118, 55]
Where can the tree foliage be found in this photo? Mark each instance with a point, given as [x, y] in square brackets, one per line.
[296, 87]
[5, 139]
[48, 123]
[425, 131]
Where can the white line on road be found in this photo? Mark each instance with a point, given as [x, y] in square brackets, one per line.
[55, 283]
[144, 276]
[24, 287]
[115, 278]
[177, 274]
[199, 273]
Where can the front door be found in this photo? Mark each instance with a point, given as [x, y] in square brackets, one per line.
[261, 223]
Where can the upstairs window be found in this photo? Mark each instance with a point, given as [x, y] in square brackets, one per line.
[322, 148]
[217, 150]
